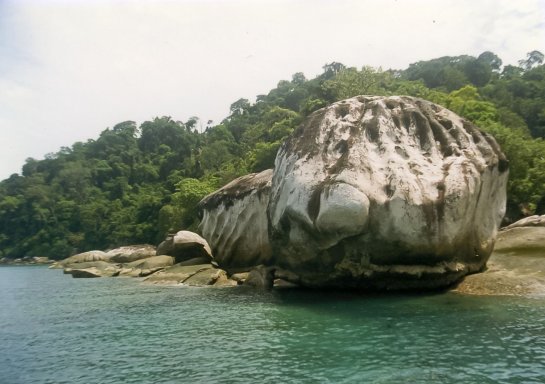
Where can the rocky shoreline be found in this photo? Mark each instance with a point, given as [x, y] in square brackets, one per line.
[515, 268]
[370, 193]
[28, 260]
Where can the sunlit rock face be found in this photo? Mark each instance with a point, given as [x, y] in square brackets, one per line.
[384, 193]
[234, 222]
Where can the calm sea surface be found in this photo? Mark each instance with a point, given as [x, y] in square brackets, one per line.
[56, 329]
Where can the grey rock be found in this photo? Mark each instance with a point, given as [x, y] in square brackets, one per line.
[521, 240]
[147, 266]
[385, 193]
[516, 267]
[85, 272]
[82, 258]
[130, 253]
[92, 269]
[240, 277]
[260, 277]
[176, 274]
[235, 222]
[531, 221]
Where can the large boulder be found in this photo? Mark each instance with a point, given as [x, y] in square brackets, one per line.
[234, 221]
[184, 245]
[385, 193]
[82, 258]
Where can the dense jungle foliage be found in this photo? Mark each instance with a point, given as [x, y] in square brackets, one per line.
[133, 184]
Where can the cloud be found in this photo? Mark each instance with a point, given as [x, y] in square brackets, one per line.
[74, 68]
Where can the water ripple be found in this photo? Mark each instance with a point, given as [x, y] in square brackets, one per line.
[61, 330]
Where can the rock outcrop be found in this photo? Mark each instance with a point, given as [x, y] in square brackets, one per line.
[517, 265]
[234, 221]
[524, 237]
[82, 258]
[530, 221]
[184, 245]
[385, 193]
[97, 268]
[199, 275]
[129, 253]
[147, 266]
[27, 260]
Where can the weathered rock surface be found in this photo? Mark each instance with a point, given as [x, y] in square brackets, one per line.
[192, 275]
[129, 253]
[185, 245]
[260, 277]
[82, 258]
[147, 266]
[516, 267]
[27, 260]
[521, 240]
[97, 268]
[235, 222]
[388, 193]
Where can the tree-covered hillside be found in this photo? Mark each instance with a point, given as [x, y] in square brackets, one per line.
[133, 184]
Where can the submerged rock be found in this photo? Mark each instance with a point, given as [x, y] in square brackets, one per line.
[185, 245]
[234, 221]
[385, 193]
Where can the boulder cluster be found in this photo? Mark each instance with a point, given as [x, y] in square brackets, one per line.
[371, 193]
[376, 193]
[183, 258]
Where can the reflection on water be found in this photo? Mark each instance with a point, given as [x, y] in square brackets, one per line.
[56, 329]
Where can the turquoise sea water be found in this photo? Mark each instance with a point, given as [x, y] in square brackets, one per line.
[56, 329]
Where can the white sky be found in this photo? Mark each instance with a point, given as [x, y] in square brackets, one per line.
[70, 69]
